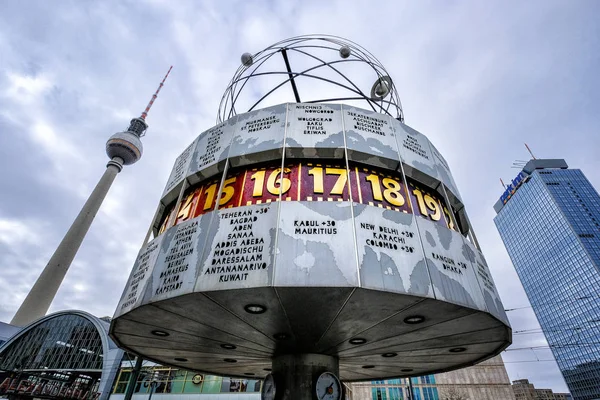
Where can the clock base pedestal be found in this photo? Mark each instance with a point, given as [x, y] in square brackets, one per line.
[296, 374]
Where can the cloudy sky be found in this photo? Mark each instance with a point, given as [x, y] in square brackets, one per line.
[478, 77]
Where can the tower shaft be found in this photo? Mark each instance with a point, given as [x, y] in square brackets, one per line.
[44, 290]
[123, 148]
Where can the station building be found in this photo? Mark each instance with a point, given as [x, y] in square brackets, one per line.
[65, 355]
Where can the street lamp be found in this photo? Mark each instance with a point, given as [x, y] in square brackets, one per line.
[156, 378]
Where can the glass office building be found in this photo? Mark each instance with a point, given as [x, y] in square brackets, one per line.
[549, 221]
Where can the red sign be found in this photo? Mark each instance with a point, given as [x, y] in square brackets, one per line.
[310, 182]
[47, 389]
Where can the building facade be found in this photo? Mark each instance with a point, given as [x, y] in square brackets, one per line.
[526, 391]
[549, 221]
[65, 355]
[485, 381]
[173, 383]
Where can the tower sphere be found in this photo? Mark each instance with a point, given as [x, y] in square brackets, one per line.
[125, 145]
[247, 59]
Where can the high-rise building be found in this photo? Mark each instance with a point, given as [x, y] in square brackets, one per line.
[485, 381]
[527, 391]
[549, 221]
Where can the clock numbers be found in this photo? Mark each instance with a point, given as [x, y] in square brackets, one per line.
[449, 219]
[426, 203]
[210, 196]
[310, 182]
[391, 190]
[275, 184]
[228, 191]
[188, 207]
[338, 187]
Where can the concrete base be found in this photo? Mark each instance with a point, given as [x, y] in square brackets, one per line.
[296, 374]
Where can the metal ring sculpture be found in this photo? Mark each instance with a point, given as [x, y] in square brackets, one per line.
[382, 97]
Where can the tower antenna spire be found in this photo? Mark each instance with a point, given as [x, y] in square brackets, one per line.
[529, 150]
[155, 95]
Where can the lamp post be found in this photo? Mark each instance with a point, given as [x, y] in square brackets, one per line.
[156, 377]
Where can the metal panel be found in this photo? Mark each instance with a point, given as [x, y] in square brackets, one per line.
[370, 138]
[452, 273]
[363, 311]
[183, 331]
[314, 130]
[178, 173]
[311, 311]
[315, 245]
[258, 136]
[240, 249]
[439, 320]
[415, 152]
[389, 251]
[211, 150]
[443, 171]
[177, 264]
[486, 282]
[140, 274]
[273, 323]
[223, 322]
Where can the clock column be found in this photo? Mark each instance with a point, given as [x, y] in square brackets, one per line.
[297, 374]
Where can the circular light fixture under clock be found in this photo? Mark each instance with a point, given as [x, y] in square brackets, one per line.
[255, 308]
[458, 350]
[414, 319]
[357, 341]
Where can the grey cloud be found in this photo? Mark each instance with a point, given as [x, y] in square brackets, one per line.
[477, 78]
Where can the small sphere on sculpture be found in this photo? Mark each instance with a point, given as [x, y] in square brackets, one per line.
[345, 52]
[126, 146]
[247, 59]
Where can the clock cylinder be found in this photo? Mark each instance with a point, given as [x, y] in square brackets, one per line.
[319, 229]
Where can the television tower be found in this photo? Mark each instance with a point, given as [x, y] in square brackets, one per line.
[123, 148]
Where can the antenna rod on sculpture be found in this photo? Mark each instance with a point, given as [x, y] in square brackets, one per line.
[155, 95]
[529, 150]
